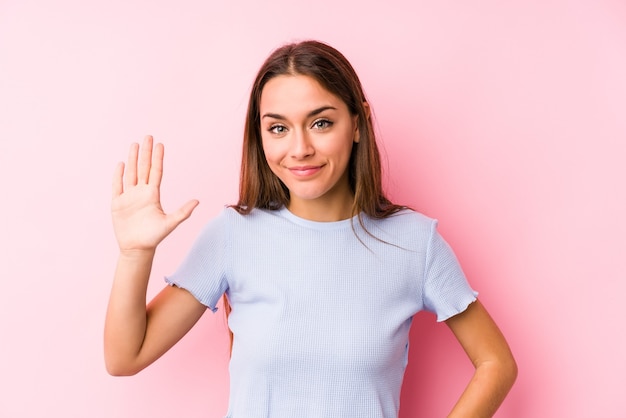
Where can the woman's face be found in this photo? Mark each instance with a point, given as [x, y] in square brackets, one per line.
[307, 136]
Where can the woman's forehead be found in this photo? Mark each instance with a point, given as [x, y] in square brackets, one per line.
[296, 95]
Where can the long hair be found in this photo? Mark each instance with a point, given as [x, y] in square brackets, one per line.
[259, 187]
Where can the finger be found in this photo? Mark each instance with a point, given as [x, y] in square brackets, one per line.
[130, 179]
[145, 159]
[118, 176]
[182, 213]
[156, 170]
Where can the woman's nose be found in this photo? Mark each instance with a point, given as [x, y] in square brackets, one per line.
[301, 146]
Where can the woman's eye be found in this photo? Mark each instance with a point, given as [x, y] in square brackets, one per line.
[277, 129]
[322, 124]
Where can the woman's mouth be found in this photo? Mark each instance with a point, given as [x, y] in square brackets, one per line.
[305, 170]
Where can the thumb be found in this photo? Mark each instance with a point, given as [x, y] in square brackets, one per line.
[184, 212]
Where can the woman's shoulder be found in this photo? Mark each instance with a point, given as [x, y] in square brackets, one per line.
[234, 211]
[230, 223]
[406, 228]
[407, 218]
[234, 216]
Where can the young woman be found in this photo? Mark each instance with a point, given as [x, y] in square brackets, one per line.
[322, 272]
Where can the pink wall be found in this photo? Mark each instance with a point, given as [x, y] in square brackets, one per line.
[505, 120]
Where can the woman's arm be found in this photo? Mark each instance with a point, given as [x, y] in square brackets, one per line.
[136, 335]
[491, 356]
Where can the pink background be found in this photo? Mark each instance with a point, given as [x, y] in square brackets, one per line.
[504, 120]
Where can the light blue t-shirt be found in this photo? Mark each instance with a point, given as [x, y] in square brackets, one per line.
[321, 310]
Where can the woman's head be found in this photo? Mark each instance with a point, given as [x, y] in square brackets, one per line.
[259, 186]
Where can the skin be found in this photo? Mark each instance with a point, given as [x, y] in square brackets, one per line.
[135, 335]
[307, 136]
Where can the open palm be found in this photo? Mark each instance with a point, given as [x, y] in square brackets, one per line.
[139, 221]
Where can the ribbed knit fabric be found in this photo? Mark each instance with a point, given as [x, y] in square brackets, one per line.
[321, 319]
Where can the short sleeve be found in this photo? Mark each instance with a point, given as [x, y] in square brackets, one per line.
[446, 290]
[203, 271]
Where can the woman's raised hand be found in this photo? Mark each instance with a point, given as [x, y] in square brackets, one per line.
[138, 218]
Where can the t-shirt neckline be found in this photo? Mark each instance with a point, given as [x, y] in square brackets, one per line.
[344, 223]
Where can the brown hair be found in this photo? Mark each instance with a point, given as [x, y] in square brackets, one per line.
[259, 187]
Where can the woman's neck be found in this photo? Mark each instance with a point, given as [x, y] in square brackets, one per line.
[322, 210]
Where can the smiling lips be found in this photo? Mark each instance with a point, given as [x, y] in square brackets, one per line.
[305, 170]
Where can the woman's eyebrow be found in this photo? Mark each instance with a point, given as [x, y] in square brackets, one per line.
[310, 114]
